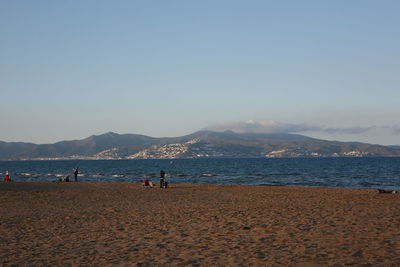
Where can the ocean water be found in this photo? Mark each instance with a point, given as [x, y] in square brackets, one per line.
[375, 173]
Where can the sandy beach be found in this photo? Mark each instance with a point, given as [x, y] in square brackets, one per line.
[124, 224]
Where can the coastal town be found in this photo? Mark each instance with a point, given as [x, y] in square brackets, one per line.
[197, 149]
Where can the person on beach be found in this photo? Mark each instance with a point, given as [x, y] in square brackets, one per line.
[76, 174]
[7, 177]
[63, 179]
[165, 182]
[147, 182]
[162, 179]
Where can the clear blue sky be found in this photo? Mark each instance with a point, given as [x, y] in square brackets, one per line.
[70, 69]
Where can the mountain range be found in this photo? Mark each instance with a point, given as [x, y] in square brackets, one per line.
[201, 144]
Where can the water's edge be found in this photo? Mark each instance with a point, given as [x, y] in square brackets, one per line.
[367, 173]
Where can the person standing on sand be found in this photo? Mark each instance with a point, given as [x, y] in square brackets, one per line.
[162, 178]
[165, 182]
[76, 174]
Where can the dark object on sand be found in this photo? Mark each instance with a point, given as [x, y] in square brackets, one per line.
[64, 179]
[382, 191]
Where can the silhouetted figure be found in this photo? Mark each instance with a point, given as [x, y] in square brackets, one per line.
[165, 182]
[76, 172]
[162, 179]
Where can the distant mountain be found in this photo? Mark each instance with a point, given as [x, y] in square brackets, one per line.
[201, 144]
[10, 150]
[86, 147]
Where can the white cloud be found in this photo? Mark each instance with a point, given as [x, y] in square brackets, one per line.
[395, 129]
[270, 126]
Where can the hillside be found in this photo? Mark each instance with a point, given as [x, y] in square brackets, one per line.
[201, 144]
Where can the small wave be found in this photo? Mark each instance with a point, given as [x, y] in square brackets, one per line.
[97, 175]
[284, 174]
[207, 175]
[369, 185]
[25, 174]
[272, 184]
[117, 175]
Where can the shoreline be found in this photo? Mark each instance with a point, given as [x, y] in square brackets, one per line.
[114, 223]
[25, 184]
[195, 158]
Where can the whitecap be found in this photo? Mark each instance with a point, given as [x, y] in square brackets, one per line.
[207, 175]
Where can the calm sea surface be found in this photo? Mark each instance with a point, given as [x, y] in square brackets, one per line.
[316, 172]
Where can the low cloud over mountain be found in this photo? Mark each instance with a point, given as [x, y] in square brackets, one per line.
[271, 126]
[251, 126]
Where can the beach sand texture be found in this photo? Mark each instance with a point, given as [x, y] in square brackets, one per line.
[70, 224]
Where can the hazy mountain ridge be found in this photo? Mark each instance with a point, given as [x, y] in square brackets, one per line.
[200, 144]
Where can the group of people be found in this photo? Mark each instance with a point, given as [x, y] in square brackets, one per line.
[146, 182]
[66, 178]
[163, 181]
[7, 177]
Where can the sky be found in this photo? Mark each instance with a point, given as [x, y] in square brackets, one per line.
[71, 69]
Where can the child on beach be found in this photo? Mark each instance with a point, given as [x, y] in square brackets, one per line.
[7, 177]
[147, 182]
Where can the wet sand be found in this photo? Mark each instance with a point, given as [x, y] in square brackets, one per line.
[71, 224]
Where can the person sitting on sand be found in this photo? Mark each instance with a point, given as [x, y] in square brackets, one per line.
[7, 177]
[147, 182]
[64, 178]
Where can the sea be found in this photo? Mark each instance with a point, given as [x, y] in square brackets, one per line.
[368, 172]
